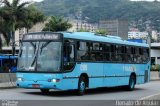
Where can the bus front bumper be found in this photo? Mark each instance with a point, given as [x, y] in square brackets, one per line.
[39, 85]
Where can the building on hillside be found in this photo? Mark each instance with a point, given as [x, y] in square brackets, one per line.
[78, 25]
[137, 35]
[115, 27]
[37, 28]
[154, 35]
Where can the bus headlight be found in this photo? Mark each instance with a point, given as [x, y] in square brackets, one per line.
[19, 79]
[55, 80]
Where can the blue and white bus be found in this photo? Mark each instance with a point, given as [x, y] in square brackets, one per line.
[80, 60]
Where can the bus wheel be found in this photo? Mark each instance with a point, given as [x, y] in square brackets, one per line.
[45, 91]
[81, 86]
[132, 82]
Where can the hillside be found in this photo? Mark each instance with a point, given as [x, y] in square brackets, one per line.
[139, 14]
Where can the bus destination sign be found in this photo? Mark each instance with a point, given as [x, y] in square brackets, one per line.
[42, 37]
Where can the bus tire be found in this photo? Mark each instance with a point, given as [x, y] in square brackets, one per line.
[132, 82]
[81, 86]
[45, 91]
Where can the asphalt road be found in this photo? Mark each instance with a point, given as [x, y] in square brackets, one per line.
[94, 97]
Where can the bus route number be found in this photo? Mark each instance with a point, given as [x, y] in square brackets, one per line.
[83, 67]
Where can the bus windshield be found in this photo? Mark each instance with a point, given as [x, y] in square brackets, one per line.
[40, 56]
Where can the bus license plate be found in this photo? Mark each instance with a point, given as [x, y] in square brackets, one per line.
[35, 86]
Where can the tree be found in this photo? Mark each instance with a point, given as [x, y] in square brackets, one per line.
[12, 13]
[1, 2]
[33, 16]
[4, 30]
[30, 16]
[56, 24]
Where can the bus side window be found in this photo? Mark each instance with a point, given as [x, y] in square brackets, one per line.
[92, 49]
[128, 54]
[113, 52]
[123, 51]
[119, 53]
[145, 55]
[133, 59]
[100, 52]
[106, 50]
[96, 51]
[140, 60]
[86, 56]
[71, 54]
[82, 50]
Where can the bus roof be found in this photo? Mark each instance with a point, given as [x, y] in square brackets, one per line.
[89, 36]
[93, 37]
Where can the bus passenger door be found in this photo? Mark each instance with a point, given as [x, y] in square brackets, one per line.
[68, 56]
[69, 65]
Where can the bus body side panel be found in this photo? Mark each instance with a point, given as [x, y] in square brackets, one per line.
[138, 69]
[113, 75]
[95, 73]
[69, 83]
[93, 70]
[70, 79]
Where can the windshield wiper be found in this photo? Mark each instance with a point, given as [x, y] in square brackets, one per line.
[21, 50]
[35, 55]
[44, 45]
[34, 46]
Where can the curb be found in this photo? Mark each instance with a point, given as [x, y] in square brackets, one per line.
[7, 85]
[155, 80]
[7, 80]
[7, 88]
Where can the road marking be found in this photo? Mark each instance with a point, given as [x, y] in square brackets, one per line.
[147, 97]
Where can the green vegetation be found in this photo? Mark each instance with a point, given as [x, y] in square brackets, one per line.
[11, 13]
[56, 24]
[33, 16]
[14, 15]
[101, 32]
[140, 14]
[155, 67]
[83, 30]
